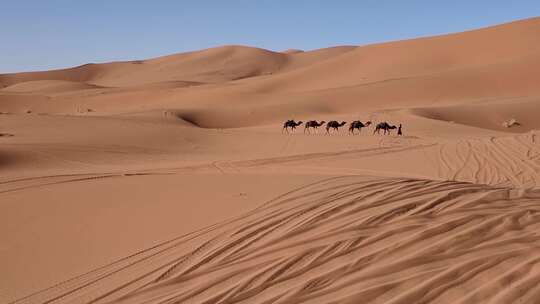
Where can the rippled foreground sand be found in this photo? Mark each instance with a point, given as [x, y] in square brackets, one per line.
[170, 180]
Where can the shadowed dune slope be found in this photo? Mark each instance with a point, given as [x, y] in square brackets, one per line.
[489, 115]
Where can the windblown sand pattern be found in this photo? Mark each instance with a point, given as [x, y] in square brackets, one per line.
[343, 240]
[511, 161]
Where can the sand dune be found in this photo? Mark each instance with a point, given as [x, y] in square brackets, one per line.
[420, 57]
[213, 65]
[170, 180]
[344, 239]
[453, 69]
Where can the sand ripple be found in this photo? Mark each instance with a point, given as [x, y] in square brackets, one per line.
[342, 240]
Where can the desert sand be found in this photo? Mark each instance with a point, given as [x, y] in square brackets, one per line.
[170, 180]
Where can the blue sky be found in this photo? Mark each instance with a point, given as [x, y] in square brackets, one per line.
[46, 34]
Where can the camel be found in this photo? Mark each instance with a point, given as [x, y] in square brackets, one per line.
[334, 125]
[357, 124]
[290, 124]
[313, 124]
[383, 126]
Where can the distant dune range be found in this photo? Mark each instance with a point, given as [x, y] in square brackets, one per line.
[492, 63]
[170, 180]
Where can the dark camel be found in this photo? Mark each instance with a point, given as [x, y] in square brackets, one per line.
[357, 124]
[313, 124]
[334, 125]
[290, 124]
[383, 126]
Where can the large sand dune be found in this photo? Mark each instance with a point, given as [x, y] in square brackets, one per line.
[170, 180]
[213, 65]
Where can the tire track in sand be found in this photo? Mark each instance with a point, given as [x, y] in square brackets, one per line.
[342, 240]
[509, 161]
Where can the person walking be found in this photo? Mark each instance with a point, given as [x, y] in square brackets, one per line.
[399, 131]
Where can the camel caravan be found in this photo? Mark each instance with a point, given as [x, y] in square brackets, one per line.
[334, 126]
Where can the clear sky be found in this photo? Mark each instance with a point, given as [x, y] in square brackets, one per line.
[46, 34]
